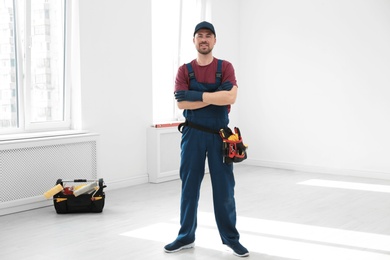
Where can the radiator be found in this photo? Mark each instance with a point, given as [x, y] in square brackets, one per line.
[29, 167]
[163, 154]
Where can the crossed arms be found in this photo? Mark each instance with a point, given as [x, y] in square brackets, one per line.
[190, 99]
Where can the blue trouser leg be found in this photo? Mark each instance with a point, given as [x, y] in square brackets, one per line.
[191, 173]
[223, 183]
[194, 146]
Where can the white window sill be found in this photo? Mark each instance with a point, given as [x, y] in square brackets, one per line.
[23, 136]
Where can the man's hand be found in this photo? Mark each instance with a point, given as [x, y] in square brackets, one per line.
[188, 95]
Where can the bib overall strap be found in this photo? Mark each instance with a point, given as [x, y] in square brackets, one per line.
[218, 74]
[191, 73]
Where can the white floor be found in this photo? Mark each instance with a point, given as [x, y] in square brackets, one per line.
[282, 215]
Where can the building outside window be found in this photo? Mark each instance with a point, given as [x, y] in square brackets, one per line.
[32, 65]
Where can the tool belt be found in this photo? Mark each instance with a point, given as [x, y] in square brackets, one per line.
[233, 148]
[198, 127]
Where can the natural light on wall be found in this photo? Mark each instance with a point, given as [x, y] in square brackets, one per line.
[173, 23]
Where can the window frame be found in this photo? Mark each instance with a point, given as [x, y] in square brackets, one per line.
[23, 99]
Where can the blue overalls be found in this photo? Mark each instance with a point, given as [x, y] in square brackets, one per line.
[195, 146]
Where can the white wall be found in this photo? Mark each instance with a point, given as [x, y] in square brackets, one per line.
[226, 23]
[116, 85]
[315, 84]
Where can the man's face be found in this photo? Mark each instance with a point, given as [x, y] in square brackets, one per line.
[204, 41]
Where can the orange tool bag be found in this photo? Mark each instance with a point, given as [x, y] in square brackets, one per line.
[233, 148]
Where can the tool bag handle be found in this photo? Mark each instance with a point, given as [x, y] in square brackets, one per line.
[101, 182]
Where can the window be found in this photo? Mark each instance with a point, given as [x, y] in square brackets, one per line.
[33, 90]
[173, 24]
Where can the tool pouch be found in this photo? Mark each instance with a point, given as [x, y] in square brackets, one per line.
[233, 148]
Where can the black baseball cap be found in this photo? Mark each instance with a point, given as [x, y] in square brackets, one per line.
[204, 25]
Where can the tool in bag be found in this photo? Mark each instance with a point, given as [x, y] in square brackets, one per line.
[233, 148]
[83, 196]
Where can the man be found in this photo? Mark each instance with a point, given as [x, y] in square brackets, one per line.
[205, 88]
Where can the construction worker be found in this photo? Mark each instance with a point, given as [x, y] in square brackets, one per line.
[206, 88]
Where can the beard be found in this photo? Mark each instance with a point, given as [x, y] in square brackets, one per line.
[204, 51]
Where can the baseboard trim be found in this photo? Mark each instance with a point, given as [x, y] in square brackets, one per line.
[165, 176]
[124, 183]
[319, 169]
[24, 205]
